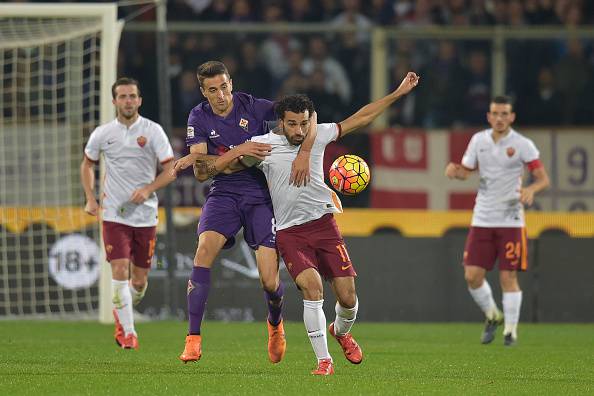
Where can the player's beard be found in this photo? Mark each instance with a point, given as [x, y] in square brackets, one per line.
[128, 114]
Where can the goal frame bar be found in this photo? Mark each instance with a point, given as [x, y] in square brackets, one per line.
[111, 30]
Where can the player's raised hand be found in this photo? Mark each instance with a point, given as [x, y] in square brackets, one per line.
[92, 207]
[408, 83]
[253, 149]
[140, 195]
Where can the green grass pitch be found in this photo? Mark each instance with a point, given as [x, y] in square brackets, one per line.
[72, 358]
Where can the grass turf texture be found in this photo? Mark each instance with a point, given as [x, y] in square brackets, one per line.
[43, 358]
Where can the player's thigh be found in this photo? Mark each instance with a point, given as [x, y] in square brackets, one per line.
[480, 249]
[267, 260]
[210, 244]
[332, 254]
[258, 224]
[220, 214]
[344, 290]
[143, 246]
[117, 239]
[509, 281]
[512, 249]
[309, 282]
[296, 253]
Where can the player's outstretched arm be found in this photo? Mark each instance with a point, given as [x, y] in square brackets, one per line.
[209, 166]
[87, 179]
[371, 111]
[300, 166]
[457, 171]
[164, 178]
[541, 182]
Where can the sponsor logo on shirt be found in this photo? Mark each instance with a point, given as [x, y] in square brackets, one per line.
[141, 140]
[243, 123]
[213, 134]
[510, 151]
[190, 133]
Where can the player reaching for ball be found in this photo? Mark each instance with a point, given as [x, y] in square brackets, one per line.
[308, 238]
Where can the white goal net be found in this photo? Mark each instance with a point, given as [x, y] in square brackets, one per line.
[57, 63]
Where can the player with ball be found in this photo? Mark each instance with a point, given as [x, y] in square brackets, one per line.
[307, 235]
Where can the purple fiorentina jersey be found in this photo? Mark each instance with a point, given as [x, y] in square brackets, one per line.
[247, 119]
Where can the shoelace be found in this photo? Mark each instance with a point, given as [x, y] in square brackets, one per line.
[324, 365]
[349, 343]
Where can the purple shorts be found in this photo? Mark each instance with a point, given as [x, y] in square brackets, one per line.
[226, 214]
[507, 245]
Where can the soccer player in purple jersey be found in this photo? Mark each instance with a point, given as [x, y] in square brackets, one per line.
[307, 235]
[218, 128]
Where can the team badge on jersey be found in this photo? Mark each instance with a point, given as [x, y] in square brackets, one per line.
[190, 133]
[141, 140]
[510, 151]
[243, 123]
[190, 286]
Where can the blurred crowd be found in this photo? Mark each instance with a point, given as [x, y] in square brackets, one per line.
[552, 81]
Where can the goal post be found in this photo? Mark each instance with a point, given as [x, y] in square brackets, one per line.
[57, 64]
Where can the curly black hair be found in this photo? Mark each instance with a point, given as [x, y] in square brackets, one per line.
[297, 103]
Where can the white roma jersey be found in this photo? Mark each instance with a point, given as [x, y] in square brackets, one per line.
[298, 205]
[131, 156]
[500, 166]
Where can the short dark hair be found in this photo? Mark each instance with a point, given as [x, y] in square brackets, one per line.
[210, 69]
[503, 99]
[124, 81]
[297, 103]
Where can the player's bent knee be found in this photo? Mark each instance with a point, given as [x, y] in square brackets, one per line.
[348, 301]
[313, 294]
[269, 284]
[138, 284]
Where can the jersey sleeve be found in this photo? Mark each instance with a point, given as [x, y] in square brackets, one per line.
[469, 160]
[161, 145]
[529, 152]
[327, 133]
[93, 147]
[195, 132]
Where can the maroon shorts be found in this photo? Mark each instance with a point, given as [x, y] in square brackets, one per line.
[126, 242]
[507, 245]
[317, 244]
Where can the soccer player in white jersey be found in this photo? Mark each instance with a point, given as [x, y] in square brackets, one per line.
[497, 232]
[132, 148]
[307, 236]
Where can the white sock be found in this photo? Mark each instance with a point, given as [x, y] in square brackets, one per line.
[137, 295]
[345, 317]
[483, 296]
[122, 302]
[512, 301]
[315, 324]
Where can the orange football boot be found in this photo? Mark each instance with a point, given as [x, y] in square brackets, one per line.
[131, 341]
[325, 367]
[277, 344]
[119, 335]
[352, 350]
[193, 349]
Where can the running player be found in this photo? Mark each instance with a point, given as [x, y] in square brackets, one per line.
[497, 232]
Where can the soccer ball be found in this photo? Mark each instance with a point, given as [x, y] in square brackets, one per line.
[349, 174]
